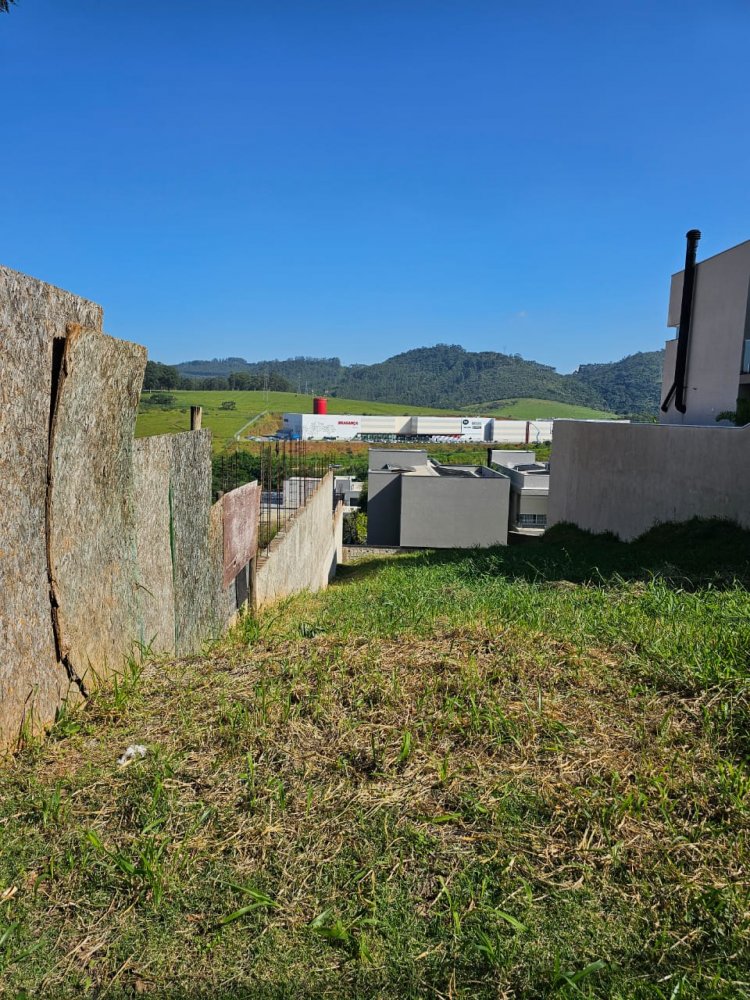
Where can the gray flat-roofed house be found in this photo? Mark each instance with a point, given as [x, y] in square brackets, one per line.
[414, 502]
[529, 489]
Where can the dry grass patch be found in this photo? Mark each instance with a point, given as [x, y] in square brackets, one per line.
[471, 809]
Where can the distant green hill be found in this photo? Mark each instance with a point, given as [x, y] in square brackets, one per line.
[446, 375]
[536, 409]
[632, 385]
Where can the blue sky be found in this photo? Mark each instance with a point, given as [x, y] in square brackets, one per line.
[359, 177]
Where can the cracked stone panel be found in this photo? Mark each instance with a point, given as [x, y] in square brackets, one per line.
[190, 499]
[152, 461]
[91, 517]
[32, 315]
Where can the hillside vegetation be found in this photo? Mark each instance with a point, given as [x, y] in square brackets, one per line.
[505, 773]
[537, 409]
[448, 375]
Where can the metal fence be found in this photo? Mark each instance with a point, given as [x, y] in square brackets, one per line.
[288, 475]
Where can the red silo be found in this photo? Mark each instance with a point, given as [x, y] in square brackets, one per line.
[320, 405]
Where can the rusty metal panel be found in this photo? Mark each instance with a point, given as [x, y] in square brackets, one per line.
[190, 502]
[241, 515]
[152, 461]
[32, 315]
[91, 523]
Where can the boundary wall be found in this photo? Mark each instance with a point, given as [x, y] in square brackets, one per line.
[105, 542]
[303, 556]
[625, 478]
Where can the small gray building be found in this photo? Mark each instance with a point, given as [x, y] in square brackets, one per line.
[415, 502]
[529, 489]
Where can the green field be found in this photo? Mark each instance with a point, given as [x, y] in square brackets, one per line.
[268, 409]
[226, 423]
[537, 409]
[508, 773]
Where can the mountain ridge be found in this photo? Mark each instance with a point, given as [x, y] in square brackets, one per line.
[449, 375]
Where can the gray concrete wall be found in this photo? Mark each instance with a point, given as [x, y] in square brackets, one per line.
[530, 502]
[384, 508]
[720, 308]
[303, 556]
[510, 456]
[407, 458]
[438, 512]
[626, 478]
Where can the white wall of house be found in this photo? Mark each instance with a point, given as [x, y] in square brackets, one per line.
[627, 478]
[718, 330]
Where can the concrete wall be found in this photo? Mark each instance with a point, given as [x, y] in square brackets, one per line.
[511, 456]
[304, 556]
[402, 458]
[720, 315]
[384, 508]
[626, 478]
[448, 512]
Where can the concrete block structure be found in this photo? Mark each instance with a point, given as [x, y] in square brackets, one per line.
[414, 502]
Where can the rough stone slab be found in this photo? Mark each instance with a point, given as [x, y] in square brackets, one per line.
[241, 516]
[32, 315]
[152, 461]
[190, 501]
[225, 597]
[91, 524]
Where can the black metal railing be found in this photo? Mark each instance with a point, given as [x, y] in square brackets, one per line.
[289, 475]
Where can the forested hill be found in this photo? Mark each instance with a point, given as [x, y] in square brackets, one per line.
[319, 374]
[449, 376]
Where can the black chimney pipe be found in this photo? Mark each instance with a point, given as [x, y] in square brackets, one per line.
[683, 335]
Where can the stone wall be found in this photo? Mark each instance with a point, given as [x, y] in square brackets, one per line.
[106, 542]
[33, 322]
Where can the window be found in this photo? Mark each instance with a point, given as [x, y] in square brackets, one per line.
[532, 520]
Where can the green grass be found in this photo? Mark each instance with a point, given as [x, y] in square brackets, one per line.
[513, 773]
[249, 405]
[537, 409]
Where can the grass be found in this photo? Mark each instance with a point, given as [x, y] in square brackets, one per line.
[537, 409]
[508, 773]
[249, 406]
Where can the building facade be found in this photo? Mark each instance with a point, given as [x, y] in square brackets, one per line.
[427, 428]
[414, 502]
[625, 479]
[529, 489]
[718, 339]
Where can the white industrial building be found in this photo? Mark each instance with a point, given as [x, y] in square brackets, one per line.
[359, 427]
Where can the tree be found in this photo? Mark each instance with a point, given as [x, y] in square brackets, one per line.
[5, 6]
[159, 376]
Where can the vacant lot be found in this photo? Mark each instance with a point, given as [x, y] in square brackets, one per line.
[511, 773]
